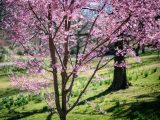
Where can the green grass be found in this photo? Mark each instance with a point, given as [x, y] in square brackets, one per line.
[140, 101]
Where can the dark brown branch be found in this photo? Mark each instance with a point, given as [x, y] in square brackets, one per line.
[52, 49]
[31, 8]
[55, 46]
[105, 63]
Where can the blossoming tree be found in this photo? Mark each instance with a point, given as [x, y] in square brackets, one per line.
[52, 28]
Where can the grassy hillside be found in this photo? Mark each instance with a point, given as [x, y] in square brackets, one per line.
[140, 101]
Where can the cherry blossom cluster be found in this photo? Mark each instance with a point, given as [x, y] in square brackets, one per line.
[120, 65]
[29, 84]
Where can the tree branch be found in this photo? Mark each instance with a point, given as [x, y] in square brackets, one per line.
[82, 92]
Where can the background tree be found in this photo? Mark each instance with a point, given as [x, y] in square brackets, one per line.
[138, 27]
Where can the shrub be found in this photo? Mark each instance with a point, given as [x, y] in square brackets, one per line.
[45, 108]
[75, 93]
[37, 98]
[145, 74]
[8, 102]
[117, 103]
[154, 70]
[21, 101]
[141, 73]
[129, 78]
[3, 53]
[135, 77]
[101, 83]
[118, 110]
[139, 115]
[124, 101]
[20, 52]
[107, 82]
[2, 57]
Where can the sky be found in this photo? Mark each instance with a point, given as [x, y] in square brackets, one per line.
[91, 14]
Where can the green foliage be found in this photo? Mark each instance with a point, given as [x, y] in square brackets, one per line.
[134, 76]
[145, 74]
[107, 82]
[20, 52]
[37, 98]
[118, 110]
[7, 102]
[10, 102]
[21, 101]
[3, 53]
[116, 102]
[8, 92]
[139, 115]
[7, 70]
[129, 78]
[45, 108]
[154, 70]
[75, 93]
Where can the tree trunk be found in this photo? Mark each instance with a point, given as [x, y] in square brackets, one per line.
[64, 73]
[63, 117]
[137, 50]
[120, 79]
[143, 49]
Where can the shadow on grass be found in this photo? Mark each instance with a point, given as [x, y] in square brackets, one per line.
[8, 92]
[19, 115]
[148, 109]
[95, 97]
[153, 95]
[143, 110]
[49, 117]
